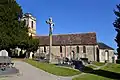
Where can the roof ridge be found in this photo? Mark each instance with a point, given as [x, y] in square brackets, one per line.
[71, 34]
[75, 33]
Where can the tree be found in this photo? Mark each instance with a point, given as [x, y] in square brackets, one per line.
[13, 32]
[117, 28]
[33, 45]
[10, 24]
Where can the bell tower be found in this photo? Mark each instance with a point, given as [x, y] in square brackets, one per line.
[30, 23]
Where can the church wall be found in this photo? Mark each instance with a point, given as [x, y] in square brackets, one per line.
[33, 30]
[29, 24]
[56, 50]
[111, 54]
[103, 55]
[66, 50]
[90, 53]
[80, 54]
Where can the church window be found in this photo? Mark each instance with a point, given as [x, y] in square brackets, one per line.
[32, 24]
[60, 49]
[25, 21]
[77, 49]
[84, 49]
[44, 49]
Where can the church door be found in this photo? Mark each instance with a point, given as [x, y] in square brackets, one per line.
[97, 54]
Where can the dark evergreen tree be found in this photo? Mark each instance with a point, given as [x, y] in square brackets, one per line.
[117, 28]
[10, 24]
[13, 32]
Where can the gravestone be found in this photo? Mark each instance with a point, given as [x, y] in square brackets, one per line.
[78, 65]
[4, 58]
[31, 55]
[3, 53]
[6, 65]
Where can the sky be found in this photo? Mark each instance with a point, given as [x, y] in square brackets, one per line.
[75, 16]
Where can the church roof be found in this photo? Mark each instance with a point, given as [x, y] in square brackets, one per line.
[104, 46]
[29, 15]
[70, 39]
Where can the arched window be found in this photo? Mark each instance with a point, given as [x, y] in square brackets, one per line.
[25, 21]
[44, 49]
[60, 49]
[77, 49]
[84, 49]
[106, 55]
[31, 24]
[73, 55]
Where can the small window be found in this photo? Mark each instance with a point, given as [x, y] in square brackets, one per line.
[60, 49]
[106, 50]
[25, 21]
[77, 49]
[44, 49]
[84, 49]
[32, 24]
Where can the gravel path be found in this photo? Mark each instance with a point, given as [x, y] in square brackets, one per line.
[28, 72]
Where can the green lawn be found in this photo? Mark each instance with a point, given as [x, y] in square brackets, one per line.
[109, 72]
[91, 66]
[98, 63]
[53, 69]
[112, 67]
[91, 77]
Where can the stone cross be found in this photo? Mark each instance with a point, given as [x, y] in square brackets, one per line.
[51, 24]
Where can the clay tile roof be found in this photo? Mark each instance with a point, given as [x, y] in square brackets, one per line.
[70, 39]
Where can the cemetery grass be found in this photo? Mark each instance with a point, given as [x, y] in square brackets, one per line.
[109, 72]
[53, 69]
[98, 63]
[112, 67]
[91, 77]
[91, 66]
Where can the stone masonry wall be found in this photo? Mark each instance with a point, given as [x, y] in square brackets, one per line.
[67, 51]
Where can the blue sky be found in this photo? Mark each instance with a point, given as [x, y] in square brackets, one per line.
[75, 16]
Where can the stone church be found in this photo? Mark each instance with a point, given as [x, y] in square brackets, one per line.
[76, 46]
[71, 46]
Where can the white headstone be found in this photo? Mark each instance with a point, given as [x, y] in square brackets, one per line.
[31, 53]
[115, 56]
[3, 53]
